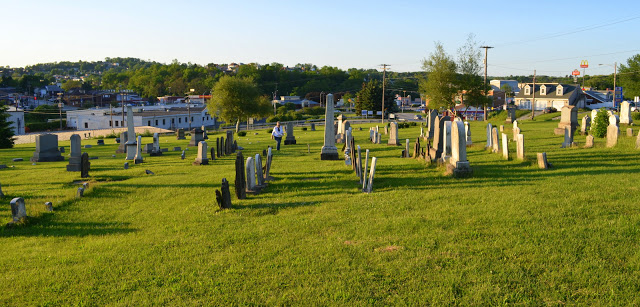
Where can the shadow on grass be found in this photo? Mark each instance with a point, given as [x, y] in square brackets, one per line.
[277, 206]
[43, 226]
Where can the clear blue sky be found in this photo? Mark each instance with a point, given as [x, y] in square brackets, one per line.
[527, 35]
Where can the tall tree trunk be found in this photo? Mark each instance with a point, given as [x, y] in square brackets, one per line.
[238, 125]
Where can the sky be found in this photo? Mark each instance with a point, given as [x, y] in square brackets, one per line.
[551, 37]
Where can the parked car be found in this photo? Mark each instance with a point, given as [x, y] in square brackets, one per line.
[549, 110]
[417, 116]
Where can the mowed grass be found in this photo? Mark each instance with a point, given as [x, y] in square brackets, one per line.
[511, 234]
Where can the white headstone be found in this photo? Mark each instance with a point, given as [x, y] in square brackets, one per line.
[251, 174]
[625, 113]
[329, 150]
[458, 143]
[505, 146]
[520, 146]
[138, 157]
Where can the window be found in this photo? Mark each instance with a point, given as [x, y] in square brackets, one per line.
[527, 90]
[86, 125]
[543, 90]
[203, 119]
[192, 119]
[148, 123]
[185, 120]
[156, 122]
[110, 123]
[559, 90]
[121, 123]
[116, 123]
[179, 120]
[173, 121]
[164, 122]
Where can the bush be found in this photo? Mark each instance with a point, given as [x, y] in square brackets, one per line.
[635, 116]
[111, 136]
[33, 127]
[304, 128]
[242, 133]
[600, 123]
[313, 111]
[146, 133]
[413, 124]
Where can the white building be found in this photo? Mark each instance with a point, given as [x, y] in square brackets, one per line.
[16, 118]
[550, 95]
[166, 117]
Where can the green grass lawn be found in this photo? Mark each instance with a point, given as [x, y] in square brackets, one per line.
[511, 234]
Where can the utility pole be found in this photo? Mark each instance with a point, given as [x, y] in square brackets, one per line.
[533, 101]
[486, 52]
[384, 74]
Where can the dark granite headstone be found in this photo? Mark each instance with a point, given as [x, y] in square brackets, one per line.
[240, 183]
[85, 165]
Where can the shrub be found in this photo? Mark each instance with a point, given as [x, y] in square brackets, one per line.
[413, 124]
[111, 136]
[242, 133]
[600, 123]
[33, 127]
[635, 116]
[304, 128]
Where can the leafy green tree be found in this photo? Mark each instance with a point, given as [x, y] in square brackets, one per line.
[630, 76]
[238, 98]
[508, 91]
[600, 123]
[370, 98]
[6, 133]
[440, 85]
[71, 84]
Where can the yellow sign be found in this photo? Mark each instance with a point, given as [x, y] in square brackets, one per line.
[584, 64]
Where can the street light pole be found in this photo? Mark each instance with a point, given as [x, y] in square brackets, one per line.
[486, 53]
[60, 104]
[615, 72]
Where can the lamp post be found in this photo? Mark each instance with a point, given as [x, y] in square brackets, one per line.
[615, 72]
[60, 104]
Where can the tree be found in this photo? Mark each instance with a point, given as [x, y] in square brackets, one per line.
[470, 85]
[71, 84]
[370, 98]
[6, 133]
[440, 85]
[600, 123]
[508, 91]
[238, 98]
[630, 76]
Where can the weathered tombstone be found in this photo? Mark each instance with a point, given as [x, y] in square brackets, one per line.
[438, 137]
[240, 182]
[346, 125]
[501, 128]
[516, 131]
[378, 137]
[467, 133]
[204, 132]
[155, 147]
[251, 175]
[177, 148]
[393, 134]
[147, 148]
[416, 148]
[197, 136]
[223, 196]
[85, 165]
[74, 157]
[180, 134]
[406, 149]
[589, 142]
[138, 157]
[100, 143]
[568, 137]
[48, 206]
[213, 153]
[612, 131]
[18, 209]
[431, 120]
[421, 131]
[568, 118]
[267, 167]
[520, 146]
[290, 139]
[80, 192]
[126, 165]
[347, 148]
[458, 163]
[364, 171]
[329, 150]
[218, 151]
[630, 132]
[47, 149]
[230, 142]
[372, 173]
[131, 145]
[638, 141]
[124, 137]
[511, 115]
[494, 140]
[594, 113]
[87, 146]
[313, 127]
[386, 130]
[201, 158]
[542, 160]
[585, 126]
[505, 146]
[259, 176]
[182, 155]
[625, 113]
[489, 138]
[447, 140]
[62, 149]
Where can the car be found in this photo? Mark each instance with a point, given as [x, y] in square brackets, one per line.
[549, 110]
[417, 116]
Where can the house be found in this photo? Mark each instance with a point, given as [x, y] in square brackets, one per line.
[166, 117]
[299, 103]
[554, 95]
[497, 85]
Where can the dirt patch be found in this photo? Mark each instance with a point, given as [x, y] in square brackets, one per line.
[391, 248]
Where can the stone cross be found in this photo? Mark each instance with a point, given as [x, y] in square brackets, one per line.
[505, 146]
[520, 146]
[393, 134]
[138, 157]
[329, 150]
[74, 158]
[201, 158]
[18, 209]
[240, 182]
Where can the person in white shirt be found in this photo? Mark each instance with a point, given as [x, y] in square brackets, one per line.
[277, 134]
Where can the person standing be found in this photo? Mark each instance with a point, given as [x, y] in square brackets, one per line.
[277, 134]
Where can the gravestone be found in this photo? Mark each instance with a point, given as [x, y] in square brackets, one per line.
[48, 206]
[438, 137]
[290, 139]
[505, 146]
[406, 149]
[147, 148]
[625, 113]
[201, 158]
[204, 132]
[594, 113]
[364, 171]
[177, 149]
[359, 165]
[612, 131]
[267, 167]
[542, 161]
[489, 138]
[520, 146]
[180, 134]
[138, 157]
[416, 148]
[259, 176]
[182, 155]
[100, 143]
[467, 133]
[494, 140]
[85, 165]
[501, 128]
[347, 148]
[568, 137]
[589, 142]
[218, 151]
[155, 147]
[62, 149]
[516, 131]
[223, 196]
[329, 150]
[47, 149]
[122, 148]
[230, 147]
[568, 118]
[74, 158]
[80, 192]
[197, 136]
[18, 209]
[511, 115]
[131, 145]
[585, 126]
[630, 132]
[251, 175]
[346, 125]
[240, 182]
[126, 165]
[431, 120]
[393, 134]
[313, 127]
[447, 140]
[372, 172]
[638, 141]
[458, 163]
